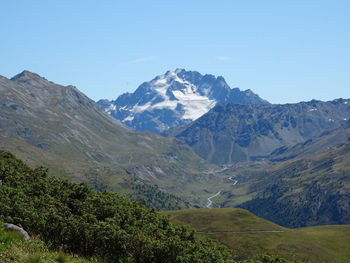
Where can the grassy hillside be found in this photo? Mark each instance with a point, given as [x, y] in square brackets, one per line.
[14, 249]
[103, 225]
[248, 235]
[99, 177]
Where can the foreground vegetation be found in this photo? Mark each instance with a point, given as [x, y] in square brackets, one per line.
[103, 227]
[248, 235]
[14, 249]
[79, 220]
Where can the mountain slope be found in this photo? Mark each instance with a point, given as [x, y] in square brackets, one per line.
[233, 133]
[311, 191]
[173, 99]
[326, 140]
[64, 122]
[248, 235]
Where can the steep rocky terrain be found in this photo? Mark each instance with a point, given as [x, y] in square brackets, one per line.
[173, 99]
[326, 140]
[234, 133]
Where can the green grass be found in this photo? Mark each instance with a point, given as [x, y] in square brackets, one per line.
[14, 249]
[241, 231]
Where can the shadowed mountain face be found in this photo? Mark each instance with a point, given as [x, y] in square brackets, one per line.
[62, 121]
[301, 150]
[233, 133]
[173, 99]
[303, 192]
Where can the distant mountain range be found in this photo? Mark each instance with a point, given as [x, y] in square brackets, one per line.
[237, 133]
[278, 161]
[175, 98]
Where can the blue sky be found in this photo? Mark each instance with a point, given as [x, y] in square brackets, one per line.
[286, 51]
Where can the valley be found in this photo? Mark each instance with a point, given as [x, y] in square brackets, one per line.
[174, 132]
[59, 127]
[285, 163]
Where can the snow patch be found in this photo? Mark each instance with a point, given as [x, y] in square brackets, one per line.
[123, 108]
[194, 104]
[160, 81]
[111, 107]
[312, 109]
[129, 118]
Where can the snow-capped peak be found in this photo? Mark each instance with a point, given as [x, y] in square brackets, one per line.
[171, 92]
[172, 99]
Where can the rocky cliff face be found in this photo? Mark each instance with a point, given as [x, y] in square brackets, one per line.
[232, 133]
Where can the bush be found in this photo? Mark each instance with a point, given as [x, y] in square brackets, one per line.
[82, 221]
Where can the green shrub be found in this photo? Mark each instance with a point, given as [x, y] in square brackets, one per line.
[61, 258]
[34, 259]
[82, 221]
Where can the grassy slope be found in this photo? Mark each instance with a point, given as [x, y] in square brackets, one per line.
[14, 249]
[239, 230]
[59, 165]
[97, 176]
[102, 177]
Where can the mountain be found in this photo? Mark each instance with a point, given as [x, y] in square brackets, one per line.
[234, 133]
[303, 192]
[78, 139]
[46, 123]
[173, 99]
[326, 140]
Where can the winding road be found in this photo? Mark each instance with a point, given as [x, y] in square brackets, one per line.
[233, 180]
[209, 202]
